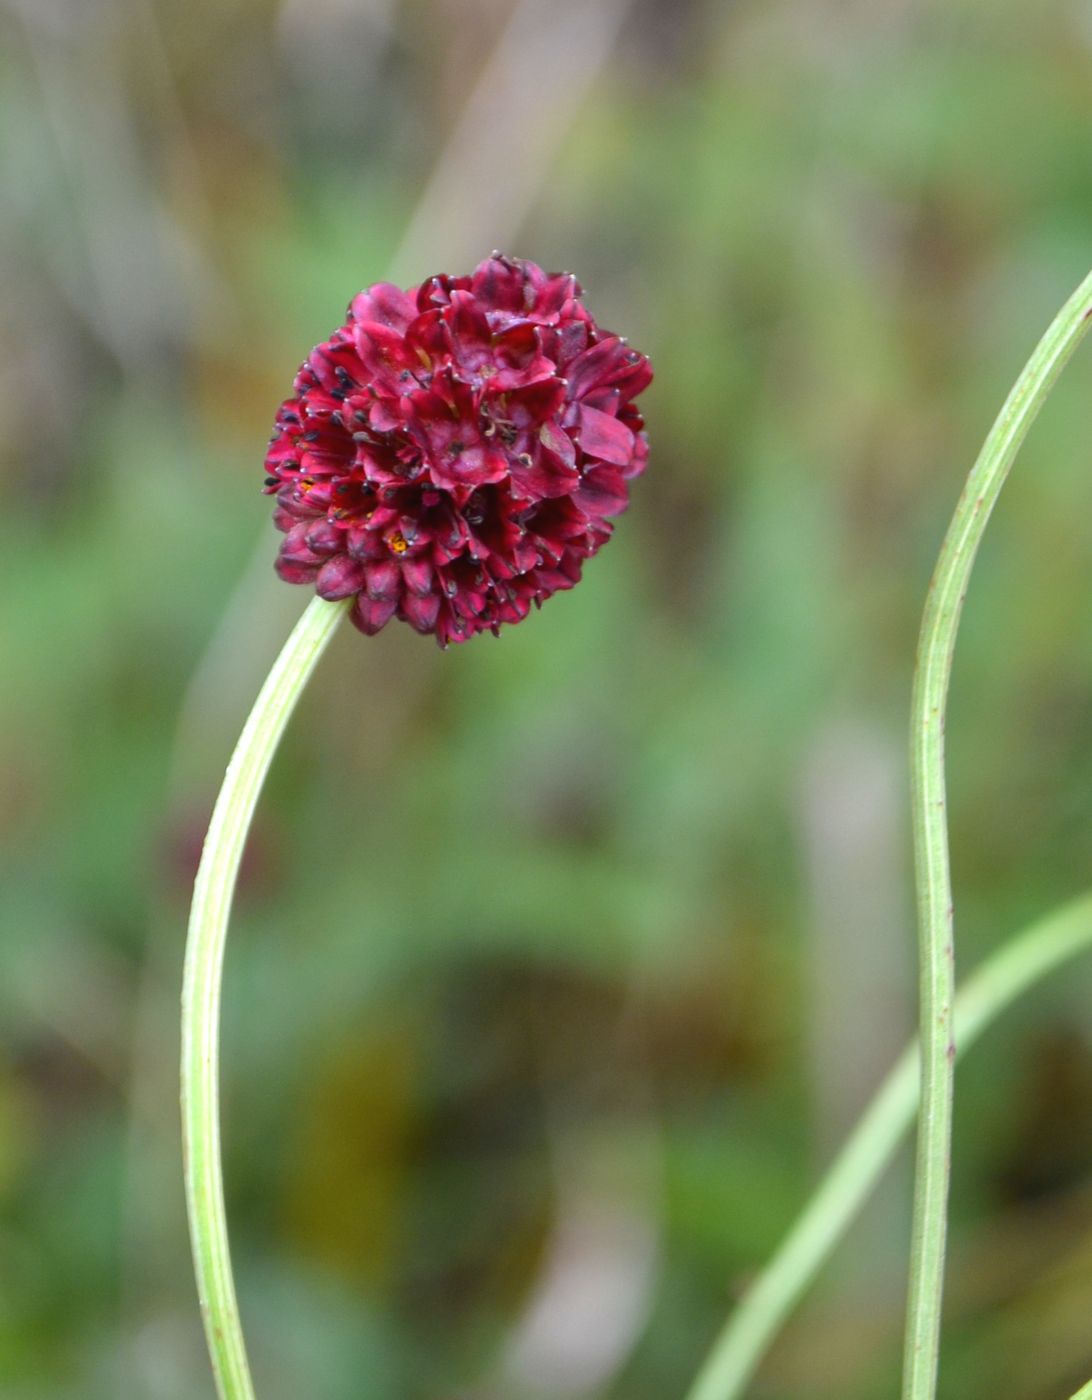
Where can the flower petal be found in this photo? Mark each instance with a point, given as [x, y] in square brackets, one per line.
[371, 614]
[291, 572]
[542, 476]
[558, 442]
[339, 577]
[420, 611]
[384, 303]
[501, 285]
[609, 364]
[471, 338]
[294, 546]
[384, 579]
[418, 574]
[387, 358]
[552, 297]
[324, 537]
[602, 492]
[604, 437]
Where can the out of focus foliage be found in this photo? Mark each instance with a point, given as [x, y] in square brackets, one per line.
[562, 962]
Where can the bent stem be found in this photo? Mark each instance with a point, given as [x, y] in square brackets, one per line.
[853, 1174]
[212, 896]
[936, 646]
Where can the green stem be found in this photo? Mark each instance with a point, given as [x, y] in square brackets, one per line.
[851, 1177]
[936, 646]
[209, 914]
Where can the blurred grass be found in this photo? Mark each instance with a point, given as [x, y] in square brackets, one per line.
[537, 921]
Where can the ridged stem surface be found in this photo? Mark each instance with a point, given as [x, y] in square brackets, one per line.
[853, 1174]
[940, 625]
[212, 897]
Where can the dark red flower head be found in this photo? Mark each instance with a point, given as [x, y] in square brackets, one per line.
[453, 453]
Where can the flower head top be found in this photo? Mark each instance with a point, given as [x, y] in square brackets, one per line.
[453, 453]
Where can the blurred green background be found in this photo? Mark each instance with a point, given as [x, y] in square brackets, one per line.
[561, 963]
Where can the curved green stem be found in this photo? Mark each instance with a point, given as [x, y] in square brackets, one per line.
[851, 1177]
[212, 898]
[936, 646]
